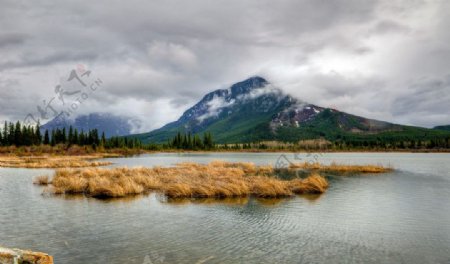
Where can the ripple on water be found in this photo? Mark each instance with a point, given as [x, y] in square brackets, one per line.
[400, 217]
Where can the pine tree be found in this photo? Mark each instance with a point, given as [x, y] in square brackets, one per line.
[18, 134]
[81, 138]
[70, 137]
[5, 134]
[75, 136]
[185, 143]
[63, 136]
[52, 139]
[207, 141]
[46, 138]
[38, 134]
[103, 141]
[95, 138]
[25, 137]
[189, 141]
[11, 134]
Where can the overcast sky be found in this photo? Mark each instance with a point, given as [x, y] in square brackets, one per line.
[387, 60]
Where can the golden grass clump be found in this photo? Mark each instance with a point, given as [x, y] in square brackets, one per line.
[341, 168]
[41, 180]
[51, 161]
[185, 180]
[269, 187]
[313, 184]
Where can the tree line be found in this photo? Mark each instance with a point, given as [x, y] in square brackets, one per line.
[27, 135]
[432, 143]
[16, 134]
[188, 141]
[20, 135]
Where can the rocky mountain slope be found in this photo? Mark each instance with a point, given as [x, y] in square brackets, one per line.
[254, 110]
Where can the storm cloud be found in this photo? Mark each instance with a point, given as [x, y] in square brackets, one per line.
[388, 60]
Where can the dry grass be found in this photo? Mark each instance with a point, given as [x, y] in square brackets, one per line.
[333, 167]
[51, 161]
[42, 180]
[313, 184]
[64, 150]
[186, 180]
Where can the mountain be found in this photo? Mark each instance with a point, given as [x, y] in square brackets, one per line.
[446, 128]
[112, 125]
[254, 110]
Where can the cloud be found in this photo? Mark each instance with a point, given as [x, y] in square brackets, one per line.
[255, 93]
[215, 106]
[430, 100]
[174, 56]
[11, 38]
[157, 58]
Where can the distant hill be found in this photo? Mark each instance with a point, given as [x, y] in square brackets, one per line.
[446, 128]
[110, 124]
[254, 110]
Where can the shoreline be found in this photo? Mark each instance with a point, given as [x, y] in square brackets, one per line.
[75, 150]
[293, 151]
[87, 160]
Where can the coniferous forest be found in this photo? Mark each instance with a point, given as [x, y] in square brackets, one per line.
[17, 134]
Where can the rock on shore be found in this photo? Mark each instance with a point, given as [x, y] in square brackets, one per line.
[18, 256]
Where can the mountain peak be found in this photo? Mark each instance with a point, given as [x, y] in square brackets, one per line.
[247, 85]
[253, 110]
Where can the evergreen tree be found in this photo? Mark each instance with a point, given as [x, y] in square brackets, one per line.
[18, 134]
[70, 136]
[207, 141]
[46, 138]
[52, 139]
[75, 136]
[63, 136]
[189, 141]
[11, 134]
[38, 134]
[103, 142]
[81, 138]
[5, 134]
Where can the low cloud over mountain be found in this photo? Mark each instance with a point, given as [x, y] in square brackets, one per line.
[156, 58]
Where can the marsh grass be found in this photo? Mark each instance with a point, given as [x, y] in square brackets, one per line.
[185, 180]
[51, 161]
[42, 180]
[341, 168]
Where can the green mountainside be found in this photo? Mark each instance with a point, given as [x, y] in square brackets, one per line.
[253, 110]
[446, 128]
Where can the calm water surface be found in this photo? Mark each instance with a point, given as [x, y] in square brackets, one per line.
[400, 217]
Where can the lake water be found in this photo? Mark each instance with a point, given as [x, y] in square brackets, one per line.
[399, 217]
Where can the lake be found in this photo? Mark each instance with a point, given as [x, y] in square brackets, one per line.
[398, 217]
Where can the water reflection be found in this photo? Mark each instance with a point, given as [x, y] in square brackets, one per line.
[203, 201]
[312, 198]
[271, 202]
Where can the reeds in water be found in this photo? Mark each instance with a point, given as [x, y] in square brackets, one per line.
[186, 180]
[41, 180]
[341, 168]
[51, 161]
